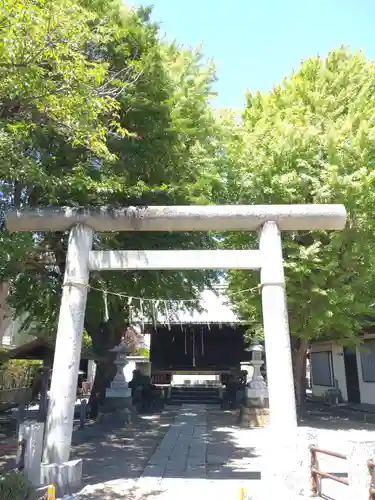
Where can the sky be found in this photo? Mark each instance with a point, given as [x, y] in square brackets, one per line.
[255, 44]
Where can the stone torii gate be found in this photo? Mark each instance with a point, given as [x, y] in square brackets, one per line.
[268, 220]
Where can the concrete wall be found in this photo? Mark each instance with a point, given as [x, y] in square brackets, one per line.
[338, 368]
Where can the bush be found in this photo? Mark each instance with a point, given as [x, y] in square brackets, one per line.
[17, 373]
[143, 351]
[14, 486]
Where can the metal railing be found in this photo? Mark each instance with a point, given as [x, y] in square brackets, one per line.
[371, 467]
[316, 473]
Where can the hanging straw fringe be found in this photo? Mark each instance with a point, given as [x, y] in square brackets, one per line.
[106, 313]
[167, 314]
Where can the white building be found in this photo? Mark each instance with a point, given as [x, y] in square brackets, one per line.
[351, 370]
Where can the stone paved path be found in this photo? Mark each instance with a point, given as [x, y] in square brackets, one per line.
[182, 453]
[191, 460]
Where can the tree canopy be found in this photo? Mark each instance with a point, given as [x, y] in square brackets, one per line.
[97, 110]
[310, 140]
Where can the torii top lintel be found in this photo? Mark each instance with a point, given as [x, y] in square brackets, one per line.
[180, 218]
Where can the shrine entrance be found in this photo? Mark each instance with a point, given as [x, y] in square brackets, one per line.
[268, 220]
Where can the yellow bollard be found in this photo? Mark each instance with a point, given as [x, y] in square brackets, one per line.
[242, 494]
[51, 492]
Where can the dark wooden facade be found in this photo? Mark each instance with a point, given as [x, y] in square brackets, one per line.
[199, 348]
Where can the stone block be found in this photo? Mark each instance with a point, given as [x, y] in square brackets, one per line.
[159, 458]
[113, 403]
[196, 472]
[66, 476]
[194, 461]
[254, 417]
[33, 433]
[360, 475]
[176, 466]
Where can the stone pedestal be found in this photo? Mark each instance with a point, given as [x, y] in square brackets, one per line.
[286, 464]
[66, 476]
[118, 395]
[252, 416]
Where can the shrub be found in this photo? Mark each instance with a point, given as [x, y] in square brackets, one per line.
[14, 486]
[143, 351]
[16, 373]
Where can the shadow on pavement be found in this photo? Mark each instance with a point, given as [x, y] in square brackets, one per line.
[112, 449]
[228, 457]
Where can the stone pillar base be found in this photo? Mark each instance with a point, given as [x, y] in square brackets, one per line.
[289, 474]
[66, 476]
[117, 403]
[254, 417]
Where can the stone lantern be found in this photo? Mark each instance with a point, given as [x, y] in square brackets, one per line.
[119, 394]
[256, 412]
[257, 381]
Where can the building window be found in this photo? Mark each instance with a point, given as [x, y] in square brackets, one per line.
[368, 361]
[322, 368]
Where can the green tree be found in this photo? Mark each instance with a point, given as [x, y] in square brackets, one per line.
[153, 143]
[310, 140]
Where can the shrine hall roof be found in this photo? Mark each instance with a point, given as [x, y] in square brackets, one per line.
[216, 308]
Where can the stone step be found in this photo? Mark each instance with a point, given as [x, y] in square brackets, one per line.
[194, 389]
[199, 394]
[194, 395]
[200, 397]
[176, 402]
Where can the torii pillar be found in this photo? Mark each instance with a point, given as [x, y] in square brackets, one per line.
[268, 220]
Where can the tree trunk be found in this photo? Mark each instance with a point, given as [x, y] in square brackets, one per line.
[299, 353]
[103, 338]
[104, 374]
[6, 312]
